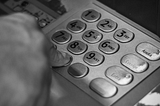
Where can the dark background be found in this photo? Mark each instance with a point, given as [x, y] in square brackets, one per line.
[144, 12]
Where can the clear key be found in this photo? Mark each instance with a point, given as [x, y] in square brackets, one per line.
[135, 63]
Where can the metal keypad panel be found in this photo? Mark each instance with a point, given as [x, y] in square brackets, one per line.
[110, 57]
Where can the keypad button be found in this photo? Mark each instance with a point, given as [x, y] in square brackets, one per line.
[134, 63]
[42, 23]
[107, 25]
[92, 36]
[77, 47]
[148, 50]
[123, 35]
[93, 58]
[119, 75]
[61, 37]
[108, 46]
[91, 15]
[76, 26]
[103, 87]
[78, 70]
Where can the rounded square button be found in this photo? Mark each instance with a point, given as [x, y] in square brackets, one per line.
[108, 46]
[61, 37]
[107, 25]
[91, 15]
[76, 26]
[77, 47]
[102, 87]
[93, 58]
[148, 50]
[123, 35]
[134, 63]
[78, 70]
[119, 75]
[92, 36]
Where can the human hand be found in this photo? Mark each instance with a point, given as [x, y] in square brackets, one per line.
[25, 76]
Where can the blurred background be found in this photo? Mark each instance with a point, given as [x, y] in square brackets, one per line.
[144, 12]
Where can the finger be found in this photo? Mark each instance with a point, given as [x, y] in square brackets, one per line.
[22, 18]
[59, 58]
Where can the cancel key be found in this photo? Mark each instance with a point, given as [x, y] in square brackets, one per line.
[148, 50]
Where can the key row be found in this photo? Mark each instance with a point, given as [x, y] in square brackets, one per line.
[130, 61]
[93, 36]
[115, 73]
[105, 25]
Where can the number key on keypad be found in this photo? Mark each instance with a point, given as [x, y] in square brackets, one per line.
[77, 47]
[108, 46]
[92, 36]
[61, 37]
[93, 58]
[76, 26]
[123, 35]
[107, 25]
[90, 15]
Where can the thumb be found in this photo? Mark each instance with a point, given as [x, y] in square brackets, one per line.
[59, 58]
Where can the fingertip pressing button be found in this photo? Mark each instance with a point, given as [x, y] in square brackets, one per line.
[60, 59]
